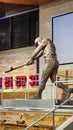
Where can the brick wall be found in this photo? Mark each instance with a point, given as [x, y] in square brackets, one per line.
[47, 11]
[15, 58]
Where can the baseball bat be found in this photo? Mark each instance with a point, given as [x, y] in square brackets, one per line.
[11, 68]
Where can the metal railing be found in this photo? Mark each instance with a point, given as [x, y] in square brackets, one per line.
[52, 111]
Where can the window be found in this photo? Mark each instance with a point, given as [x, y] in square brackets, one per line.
[62, 36]
[19, 31]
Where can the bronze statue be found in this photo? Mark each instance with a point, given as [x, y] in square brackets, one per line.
[46, 48]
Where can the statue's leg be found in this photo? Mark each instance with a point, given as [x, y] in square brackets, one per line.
[42, 85]
[67, 91]
[45, 75]
[54, 72]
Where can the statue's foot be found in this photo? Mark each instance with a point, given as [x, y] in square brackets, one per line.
[67, 93]
[36, 97]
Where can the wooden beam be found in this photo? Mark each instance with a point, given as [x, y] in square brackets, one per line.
[26, 2]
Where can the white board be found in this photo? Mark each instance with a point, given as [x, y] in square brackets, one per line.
[62, 36]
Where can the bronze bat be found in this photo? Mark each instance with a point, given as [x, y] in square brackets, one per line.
[11, 68]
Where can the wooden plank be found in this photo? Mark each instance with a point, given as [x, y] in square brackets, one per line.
[26, 2]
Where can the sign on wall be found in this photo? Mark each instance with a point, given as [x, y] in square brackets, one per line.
[19, 81]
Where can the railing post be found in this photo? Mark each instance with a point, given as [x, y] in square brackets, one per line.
[53, 94]
[56, 88]
[3, 74]
[53, 120]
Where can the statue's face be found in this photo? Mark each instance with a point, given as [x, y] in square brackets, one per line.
[37, 41]
[36, 44]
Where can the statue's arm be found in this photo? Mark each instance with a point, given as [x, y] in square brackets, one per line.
[39, 50]
[39, 55]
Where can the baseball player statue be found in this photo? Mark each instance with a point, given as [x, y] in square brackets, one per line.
[46, 48]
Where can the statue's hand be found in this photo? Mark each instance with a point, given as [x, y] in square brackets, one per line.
[30, 62]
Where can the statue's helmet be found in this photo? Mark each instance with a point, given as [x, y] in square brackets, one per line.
[37, 41]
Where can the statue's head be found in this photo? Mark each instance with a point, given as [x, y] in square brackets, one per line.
[37, 41]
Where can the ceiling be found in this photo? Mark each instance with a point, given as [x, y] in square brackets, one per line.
[7, 5]
[26, 2]
[4, 7]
